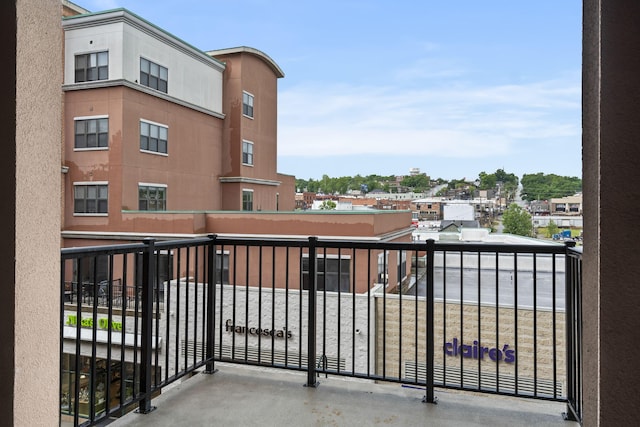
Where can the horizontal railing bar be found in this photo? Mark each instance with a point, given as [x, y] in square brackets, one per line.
[87, 251]
[321, 243]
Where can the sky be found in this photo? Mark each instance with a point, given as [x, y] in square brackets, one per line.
[453, 88]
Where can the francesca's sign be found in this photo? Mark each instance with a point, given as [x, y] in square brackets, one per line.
[276, 333]
[477, 351]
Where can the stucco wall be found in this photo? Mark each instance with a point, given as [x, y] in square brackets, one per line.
[37, 207]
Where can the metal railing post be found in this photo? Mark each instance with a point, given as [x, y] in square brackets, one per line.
[148, 279]
[311, 329]
[431, 247]
[573, 343]
[211, 301]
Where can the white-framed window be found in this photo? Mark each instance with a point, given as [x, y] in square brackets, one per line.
[152, 197]
[383, 265]
[90, 198]
[247, 200]
[247, 153]
[153, 137]
[154, 75]
[91, 66]
[247, 104]
[333, 273]
[91, 133]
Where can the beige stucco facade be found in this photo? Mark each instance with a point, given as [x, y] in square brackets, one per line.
[30, 158]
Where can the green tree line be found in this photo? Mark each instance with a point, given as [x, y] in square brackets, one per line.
[544, 187]
[534, 186]
[344, 184]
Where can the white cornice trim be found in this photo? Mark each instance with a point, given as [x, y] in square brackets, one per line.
[250, 50]
[136, 86]
[245, 180]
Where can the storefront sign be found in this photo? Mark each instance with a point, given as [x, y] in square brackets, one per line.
[87, 322]
[476, 351]
[276, 333]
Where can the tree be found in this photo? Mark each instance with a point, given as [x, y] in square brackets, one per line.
[418, 183]
[328, 205]
[544, 187]
[487, 181]
[552, 229]
[517, 221]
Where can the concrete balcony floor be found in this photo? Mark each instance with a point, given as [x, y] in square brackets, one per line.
[247, 396]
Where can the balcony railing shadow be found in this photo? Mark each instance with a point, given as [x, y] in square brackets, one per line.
[494, 319]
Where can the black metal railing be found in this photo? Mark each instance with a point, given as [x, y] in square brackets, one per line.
[493, 318]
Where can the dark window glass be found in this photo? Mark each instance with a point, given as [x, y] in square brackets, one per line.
[152, 198]
[91, 67]
[90, 199]
[247, 200]
[92, 133]
[222, 269]
[332, 274]
[247, 104]
[154, 76]
[247, 153]
[153, 138]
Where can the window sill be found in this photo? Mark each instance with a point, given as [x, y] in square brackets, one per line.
[157, 153]
[91, 149]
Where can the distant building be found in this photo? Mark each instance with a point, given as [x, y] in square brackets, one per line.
[457, 225]
[570, 205]
[539, 207]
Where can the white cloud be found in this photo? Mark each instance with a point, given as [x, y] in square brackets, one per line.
[454, 121]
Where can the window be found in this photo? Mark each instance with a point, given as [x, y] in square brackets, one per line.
[152, 197]
[222, 268]
[247, 200]
[92, 66]
[384, 261]
[247, 153]
[153, 75]
[333, 274]
[402, 265]
[92, 133]
[247, 104]
[90, 198]
[153, 137]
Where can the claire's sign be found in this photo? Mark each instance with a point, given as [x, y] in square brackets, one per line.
[477, 351]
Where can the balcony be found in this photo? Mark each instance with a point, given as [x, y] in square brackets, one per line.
[229, 330]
